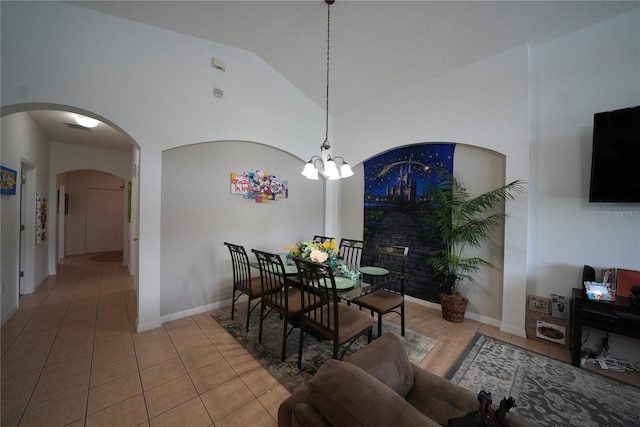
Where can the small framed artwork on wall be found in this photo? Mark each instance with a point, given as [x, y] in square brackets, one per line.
[9, 181]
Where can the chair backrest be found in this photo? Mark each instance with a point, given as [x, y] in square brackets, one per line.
[394, 259]
[272, 278]
[351, 253]
[241, 267]
[318, 282]
[322, 239]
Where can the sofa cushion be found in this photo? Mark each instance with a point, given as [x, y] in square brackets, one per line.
[348, 396]
[387, 360]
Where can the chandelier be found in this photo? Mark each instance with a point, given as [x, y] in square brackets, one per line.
[325, 162]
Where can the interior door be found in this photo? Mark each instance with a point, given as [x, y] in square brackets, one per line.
[105, 219]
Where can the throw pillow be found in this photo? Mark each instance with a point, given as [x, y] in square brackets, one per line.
[387, 360]
[348, 396]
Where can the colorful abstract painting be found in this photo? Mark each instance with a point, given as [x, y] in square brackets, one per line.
[395, 200]
[259, 186]
[41, 218]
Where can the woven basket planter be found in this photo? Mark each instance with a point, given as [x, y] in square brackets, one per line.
[453, 307]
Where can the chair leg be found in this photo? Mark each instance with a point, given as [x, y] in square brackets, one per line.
[246, 329]
[233, 302]
[300, 343]
[335, 348]
[261, 319]
[369, 335]
[284, 339]
[379, 325]
[402, 319]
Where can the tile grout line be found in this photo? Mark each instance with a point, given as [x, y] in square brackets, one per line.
[48, 295]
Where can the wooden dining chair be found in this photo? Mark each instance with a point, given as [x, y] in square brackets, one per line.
[278, 295]
[243, 282]
[390, 295]
[328, 317]
[350, 252]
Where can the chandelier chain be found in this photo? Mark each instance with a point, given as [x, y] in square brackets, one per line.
[326, 137]
[326, 162]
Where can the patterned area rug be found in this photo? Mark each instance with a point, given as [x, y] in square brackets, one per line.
[551, 392]
[315, 351]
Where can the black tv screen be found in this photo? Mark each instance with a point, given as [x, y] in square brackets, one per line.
[615, 161]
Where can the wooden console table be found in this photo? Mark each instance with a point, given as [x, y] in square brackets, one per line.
[619, 317]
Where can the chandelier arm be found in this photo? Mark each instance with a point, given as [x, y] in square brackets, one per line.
[339, 158]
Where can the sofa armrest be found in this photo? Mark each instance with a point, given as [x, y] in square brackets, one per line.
[297, 410]
[440, 398]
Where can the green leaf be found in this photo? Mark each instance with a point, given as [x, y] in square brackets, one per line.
[462, 221]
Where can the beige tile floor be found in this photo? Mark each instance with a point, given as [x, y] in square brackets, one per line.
[71, 357]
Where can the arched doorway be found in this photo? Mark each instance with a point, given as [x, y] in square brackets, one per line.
[91, 214]
[46, 137]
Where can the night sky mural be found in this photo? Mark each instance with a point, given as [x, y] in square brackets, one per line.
[395, 199]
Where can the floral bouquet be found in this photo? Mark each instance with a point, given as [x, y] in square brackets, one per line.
[350, 274]
[323, 252]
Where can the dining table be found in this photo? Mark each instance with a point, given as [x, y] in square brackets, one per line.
[290, 269]
[347, 289]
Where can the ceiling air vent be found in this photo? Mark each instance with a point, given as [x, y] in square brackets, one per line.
[77, 126]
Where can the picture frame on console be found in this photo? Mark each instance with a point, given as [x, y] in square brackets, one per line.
[539, 304]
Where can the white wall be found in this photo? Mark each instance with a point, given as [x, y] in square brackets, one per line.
[22, 141]
[483, 105]
[157, 87]
[199, 213]
[534, 105]
[594, 70]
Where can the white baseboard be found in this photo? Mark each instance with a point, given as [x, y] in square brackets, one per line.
[513, 331]
[473, 316]
[148, 327]
[6, 316]
[197, 310]
[186, 313]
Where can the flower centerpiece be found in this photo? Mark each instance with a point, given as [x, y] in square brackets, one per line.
[323, 252]
[350, 274]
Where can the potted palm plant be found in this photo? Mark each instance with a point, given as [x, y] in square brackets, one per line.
[461, 221]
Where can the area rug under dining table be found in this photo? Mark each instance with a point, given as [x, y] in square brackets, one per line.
[548, 391]
[315, 353]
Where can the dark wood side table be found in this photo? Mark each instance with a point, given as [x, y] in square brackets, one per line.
[619, 317]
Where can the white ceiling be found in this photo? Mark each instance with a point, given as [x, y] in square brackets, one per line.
[55, 125]
[377, 47]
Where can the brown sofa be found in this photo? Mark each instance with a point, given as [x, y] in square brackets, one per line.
[379, 386]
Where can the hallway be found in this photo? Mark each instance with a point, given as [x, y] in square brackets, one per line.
[71, 356]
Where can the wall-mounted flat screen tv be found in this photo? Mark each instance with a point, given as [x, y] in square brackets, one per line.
[615, 161]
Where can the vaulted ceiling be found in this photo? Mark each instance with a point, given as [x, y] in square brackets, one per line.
[377, 47]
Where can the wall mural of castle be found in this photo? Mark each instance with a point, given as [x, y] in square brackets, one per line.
[395, 200]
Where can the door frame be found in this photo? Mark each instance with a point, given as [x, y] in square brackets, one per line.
[27, 244]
